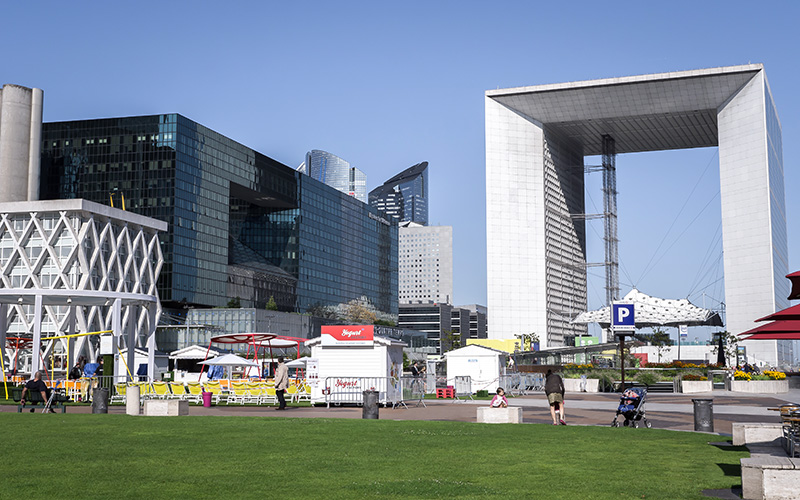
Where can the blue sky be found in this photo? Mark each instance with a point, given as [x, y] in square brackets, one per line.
[386, 85]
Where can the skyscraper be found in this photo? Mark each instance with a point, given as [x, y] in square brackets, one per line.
[239, 221]
[405, 195]
[425, 264]
[336, 172]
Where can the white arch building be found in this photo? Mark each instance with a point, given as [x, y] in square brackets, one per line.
[70, 266]
[536, 138]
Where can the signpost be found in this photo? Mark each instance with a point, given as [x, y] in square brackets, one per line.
[623, 323]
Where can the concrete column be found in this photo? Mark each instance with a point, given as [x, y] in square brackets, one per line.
[35, 144]
[151, 340]
[116, 332]
[130, 343]
[3, 328]
[37, 335]
[15, 138]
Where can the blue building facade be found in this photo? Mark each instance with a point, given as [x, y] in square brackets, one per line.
[240, 223]
[337, 173]
[404, 196]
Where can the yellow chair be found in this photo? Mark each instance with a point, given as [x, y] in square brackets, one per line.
[215, 388]
[292, 392]
[269, 395]
[161, 390]
[120, 393]
[240, 393]
[177, 391]
[195, 392]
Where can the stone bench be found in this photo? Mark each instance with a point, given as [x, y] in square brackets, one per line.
[165, 407]
[510, 415]
[770, 478]
[757, 433]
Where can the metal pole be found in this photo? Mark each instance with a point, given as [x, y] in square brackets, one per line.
[679, 343]
[622, 359]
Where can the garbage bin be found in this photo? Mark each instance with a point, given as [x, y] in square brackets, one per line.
[703, 415]
[100, 400]
[370, 409]
[207, 399]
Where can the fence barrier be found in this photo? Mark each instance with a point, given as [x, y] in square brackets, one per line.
[413, 390]
[463, 387]
[344, 390]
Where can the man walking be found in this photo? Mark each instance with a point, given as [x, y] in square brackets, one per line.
[554, 388]
[281, 382]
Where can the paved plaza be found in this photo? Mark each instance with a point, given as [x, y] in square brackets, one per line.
[665, 411]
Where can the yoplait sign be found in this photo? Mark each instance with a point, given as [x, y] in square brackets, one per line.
[348, 335]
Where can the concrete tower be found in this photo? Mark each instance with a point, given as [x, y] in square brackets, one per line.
[20, 139]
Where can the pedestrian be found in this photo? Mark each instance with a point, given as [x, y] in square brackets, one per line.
[554, 388]
[281, 382]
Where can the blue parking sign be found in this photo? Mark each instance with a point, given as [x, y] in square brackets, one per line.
[622, 317]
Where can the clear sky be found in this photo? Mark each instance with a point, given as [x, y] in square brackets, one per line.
[389, 84]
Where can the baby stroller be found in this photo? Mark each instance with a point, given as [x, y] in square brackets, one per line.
[631, 407]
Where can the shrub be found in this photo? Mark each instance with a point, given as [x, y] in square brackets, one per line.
[606, 381]
[648, 378]
[694, 377]
[740, 375]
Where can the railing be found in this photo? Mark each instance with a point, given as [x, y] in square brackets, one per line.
[349, 390]
[463, 386]
[413, 389]
[520, 384]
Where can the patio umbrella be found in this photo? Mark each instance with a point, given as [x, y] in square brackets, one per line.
[777, 330]
[297, 363]
[790, 313]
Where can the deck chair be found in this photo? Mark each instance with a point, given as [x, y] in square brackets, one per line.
[291, 391]
[269, 396]
[240, 393]
[195, 394]
[120, 392]
[145, 390]
[161, 390]
[303, 393]
[218, 394]
[178, 391]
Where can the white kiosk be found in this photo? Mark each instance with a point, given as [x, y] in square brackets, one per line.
[483, 364]
[347, 360]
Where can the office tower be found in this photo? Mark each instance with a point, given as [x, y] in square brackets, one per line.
[404, 196]
[425, 263]
[336, 172]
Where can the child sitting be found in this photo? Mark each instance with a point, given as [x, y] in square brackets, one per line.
[499, 400]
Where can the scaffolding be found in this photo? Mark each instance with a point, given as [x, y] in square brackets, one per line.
[610, 213]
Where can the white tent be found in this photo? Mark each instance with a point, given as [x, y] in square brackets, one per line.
[229, 360]
[483, 364]
[193, 352]
[653, 311]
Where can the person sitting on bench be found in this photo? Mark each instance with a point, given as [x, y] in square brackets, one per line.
[34, 385]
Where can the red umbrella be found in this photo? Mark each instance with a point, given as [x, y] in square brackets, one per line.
[790, 313]
[795, 279]
[777, 330]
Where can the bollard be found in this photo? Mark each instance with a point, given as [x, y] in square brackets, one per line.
[703, 415]
[370, 409]
[132, 403]
[100, 400]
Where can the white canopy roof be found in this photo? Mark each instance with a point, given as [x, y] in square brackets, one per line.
[229, 360]
[653, 311]
[193, 352]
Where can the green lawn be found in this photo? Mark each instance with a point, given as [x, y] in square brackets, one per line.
[118, 456]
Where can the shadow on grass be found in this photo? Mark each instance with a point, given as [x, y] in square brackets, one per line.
[731, 469]
[727, 446]
[732, 493]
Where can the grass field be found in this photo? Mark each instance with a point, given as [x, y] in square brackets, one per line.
[118, 456]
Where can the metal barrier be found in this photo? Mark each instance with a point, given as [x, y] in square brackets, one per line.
[413, 389]
[463, 386]
[344, 390]
[520, 384]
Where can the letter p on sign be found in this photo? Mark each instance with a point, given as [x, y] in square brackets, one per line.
[622, 317]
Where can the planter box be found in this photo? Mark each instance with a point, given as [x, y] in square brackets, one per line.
[510, 415]
[760, 386]
[693, 386]
[574, 385]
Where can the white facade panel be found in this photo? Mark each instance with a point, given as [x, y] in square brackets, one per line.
[425, 264]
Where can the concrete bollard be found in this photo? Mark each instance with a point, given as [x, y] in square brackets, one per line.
[370, 408]
[703, 415]
[132, 402]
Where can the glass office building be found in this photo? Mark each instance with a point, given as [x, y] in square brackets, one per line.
[337, 173]
[240, 223]
[404, 196]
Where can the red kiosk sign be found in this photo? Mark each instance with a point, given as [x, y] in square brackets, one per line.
[350, 335]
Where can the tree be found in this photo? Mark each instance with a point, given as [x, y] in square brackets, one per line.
[358, 313]
[661, 340]
[271, 305]
[319, 311]
[235, 303]
[449, 341]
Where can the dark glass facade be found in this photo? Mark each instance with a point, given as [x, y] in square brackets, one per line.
[239, 221]
[404, 196]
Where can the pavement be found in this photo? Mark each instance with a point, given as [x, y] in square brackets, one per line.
[664, 411]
